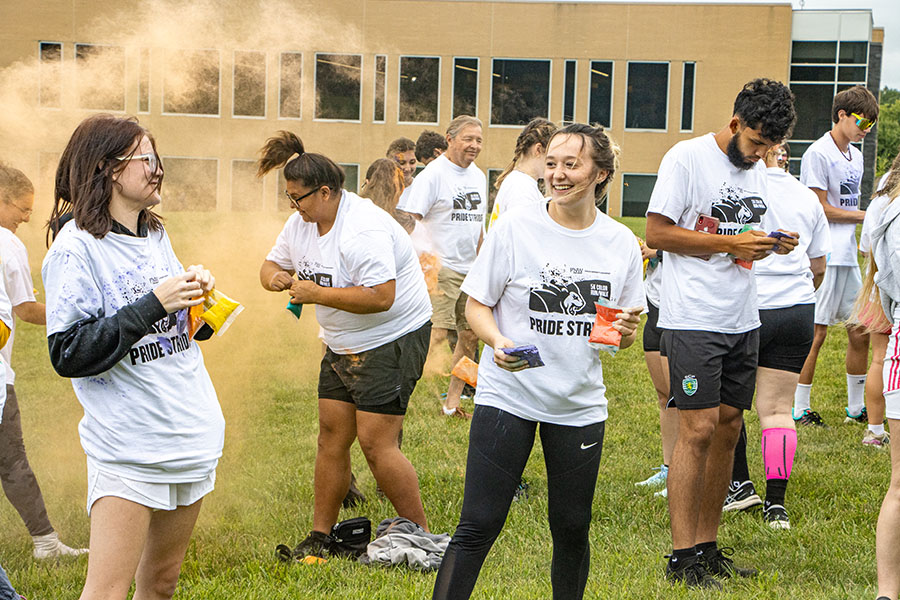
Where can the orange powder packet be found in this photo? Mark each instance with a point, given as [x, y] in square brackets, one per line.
[430, 264]
[467, 370]
[603, 335]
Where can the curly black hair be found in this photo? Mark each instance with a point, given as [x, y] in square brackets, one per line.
[766, 105]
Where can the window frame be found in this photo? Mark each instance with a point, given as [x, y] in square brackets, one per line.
[265, 58]
[668, 64]
[218, 113]
[41, 62]
[400, 77]
[217, 207]
[477, 60]
[490, 119]
[622, 188]
[362, 66]
[149, 80]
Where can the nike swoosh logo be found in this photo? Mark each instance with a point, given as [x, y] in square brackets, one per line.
[583, 447]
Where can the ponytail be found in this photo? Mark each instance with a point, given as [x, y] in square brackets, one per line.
[309, 168]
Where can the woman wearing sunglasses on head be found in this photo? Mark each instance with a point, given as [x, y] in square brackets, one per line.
[358, 266]
[152, 429]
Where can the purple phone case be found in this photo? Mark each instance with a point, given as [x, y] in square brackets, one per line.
[528, 352]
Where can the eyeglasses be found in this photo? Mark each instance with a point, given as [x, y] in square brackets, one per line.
[295, 201]
[151, 159]
[862, 122]
[25, 211]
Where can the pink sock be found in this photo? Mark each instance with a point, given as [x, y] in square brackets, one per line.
[778, 447]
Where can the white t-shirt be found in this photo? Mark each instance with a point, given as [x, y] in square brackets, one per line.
[825, 167]
[873, 216]
[785, 280]
[451, 202]
[154, 416]
[19, 286]
[696, 178]
[364, 247]
[542, 280]
[517, 189]
[653, 283]
[7, 317]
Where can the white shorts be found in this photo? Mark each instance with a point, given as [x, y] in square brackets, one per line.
[836, 295]
[158, 496]
[891, 374]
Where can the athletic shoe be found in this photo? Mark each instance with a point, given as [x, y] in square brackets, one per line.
[316, 544]
[876, 441]
[692, 573]
[741, 496]
[663, 493]
[354, 497]
[720, 564]
[49, 546]
[862, 417]
[658, 478]
[810, 417]
[776, 517]
[521, 491]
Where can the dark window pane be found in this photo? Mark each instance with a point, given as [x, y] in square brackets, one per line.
[100, 76]
[600, 109]
[380, 78]
[419, 88]
[493, 174]
[813, 104]
[687, 97]
[636, 190]
[190, 184]
[191, 82]
[569, 92]
[648, 94]
[290, 80]
[246, 187]
[144, 81]
[465, 86]
[520, 91]
[812, 73]
[250, 84]
[854, 74]
[794, 167]
[351, 177]
[337, 86]
[51, 77]
[854, 52]
[813, 52]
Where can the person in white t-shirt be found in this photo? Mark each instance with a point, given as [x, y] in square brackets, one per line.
[517, 185]
[117, 300]
[19, 483]
[448, 198]
[403, 152]
[536, 282]
[833, 168]
[356, 264]
[785, 287]
[717, 184]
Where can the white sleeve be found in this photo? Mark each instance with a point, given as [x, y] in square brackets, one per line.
[814, 170]
[5, 311]
[72, 294]
[670, 196]
[820, 244]
[280, 254]
[17, 275]
[368, 257]
[632, 294]
[421, 195]
[493, 267]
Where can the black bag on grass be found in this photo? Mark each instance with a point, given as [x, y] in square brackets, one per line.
[351, 537]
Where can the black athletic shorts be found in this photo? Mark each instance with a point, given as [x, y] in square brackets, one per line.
[786, 336]
[379, 380]
[707, 369]
[652, 333]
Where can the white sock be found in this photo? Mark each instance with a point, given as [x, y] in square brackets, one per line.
[801, 399]
[877, 429]
[856, 394]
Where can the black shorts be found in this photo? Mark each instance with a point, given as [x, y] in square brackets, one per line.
[786, 336]
[652, 333]
[707, 369]
[379, 380]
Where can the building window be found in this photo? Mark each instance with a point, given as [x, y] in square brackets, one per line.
[465, 86]
[380, 82]
[289, 85]
[647, 101]
[814, 103]
[100, 77]
[191, 184]
[246, 187]
[50, 73]
[687, 96]
[600, 101]
[419, 89]
[338, 86]
[813, 52]
[144, 80]
[520, 90]
[569, 87]
[351, 177]
[636, 190]
[191, 82]
[249, 84]
[854, 53]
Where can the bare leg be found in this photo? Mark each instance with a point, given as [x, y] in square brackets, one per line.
[167, 542]
[718, 473]
[774, 395]
[337, 430]
[658, 366]
[809, 367]
[465, 346]
[857, 350]
[887, 534]
[687, 471]
[875, 379]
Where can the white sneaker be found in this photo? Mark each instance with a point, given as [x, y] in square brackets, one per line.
[663, 493]
[49, 546]
[657, 479]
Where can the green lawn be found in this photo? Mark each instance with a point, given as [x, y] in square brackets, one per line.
[264, 369]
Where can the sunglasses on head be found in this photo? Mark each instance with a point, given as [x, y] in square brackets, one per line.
[862, 122]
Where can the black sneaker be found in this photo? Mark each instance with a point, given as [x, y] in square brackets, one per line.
[720, 564]
[741, 496]
[521, 491]
[316, 544]
[354, 497]
[811, 417]
[776, 517]
[692, 573]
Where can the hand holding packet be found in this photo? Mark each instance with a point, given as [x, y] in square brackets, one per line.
[778, 235]
[217, 310]
[604, 336]
[528, 352]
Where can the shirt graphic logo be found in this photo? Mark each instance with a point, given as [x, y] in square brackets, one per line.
[849, 198]
[466, 200]
[307, 272]
[566, 300]
[737, 207]
[689, 385]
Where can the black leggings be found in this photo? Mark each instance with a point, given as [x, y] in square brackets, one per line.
[499, 446]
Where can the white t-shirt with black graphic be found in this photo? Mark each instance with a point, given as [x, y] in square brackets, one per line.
[19, 286]
[825, 167]
[452, 204]
[785, 280]
[542, 280]
[364, 247]
[154, 416]
[517, 189]
[696, 178]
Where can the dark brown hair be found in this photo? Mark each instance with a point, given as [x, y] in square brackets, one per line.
[84, 177]
[538, 131]
[857, 100]
[428, 142]
[309, 168]
[603, 151]
[13, 184]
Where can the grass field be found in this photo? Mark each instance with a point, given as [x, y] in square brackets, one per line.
[265, 370]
